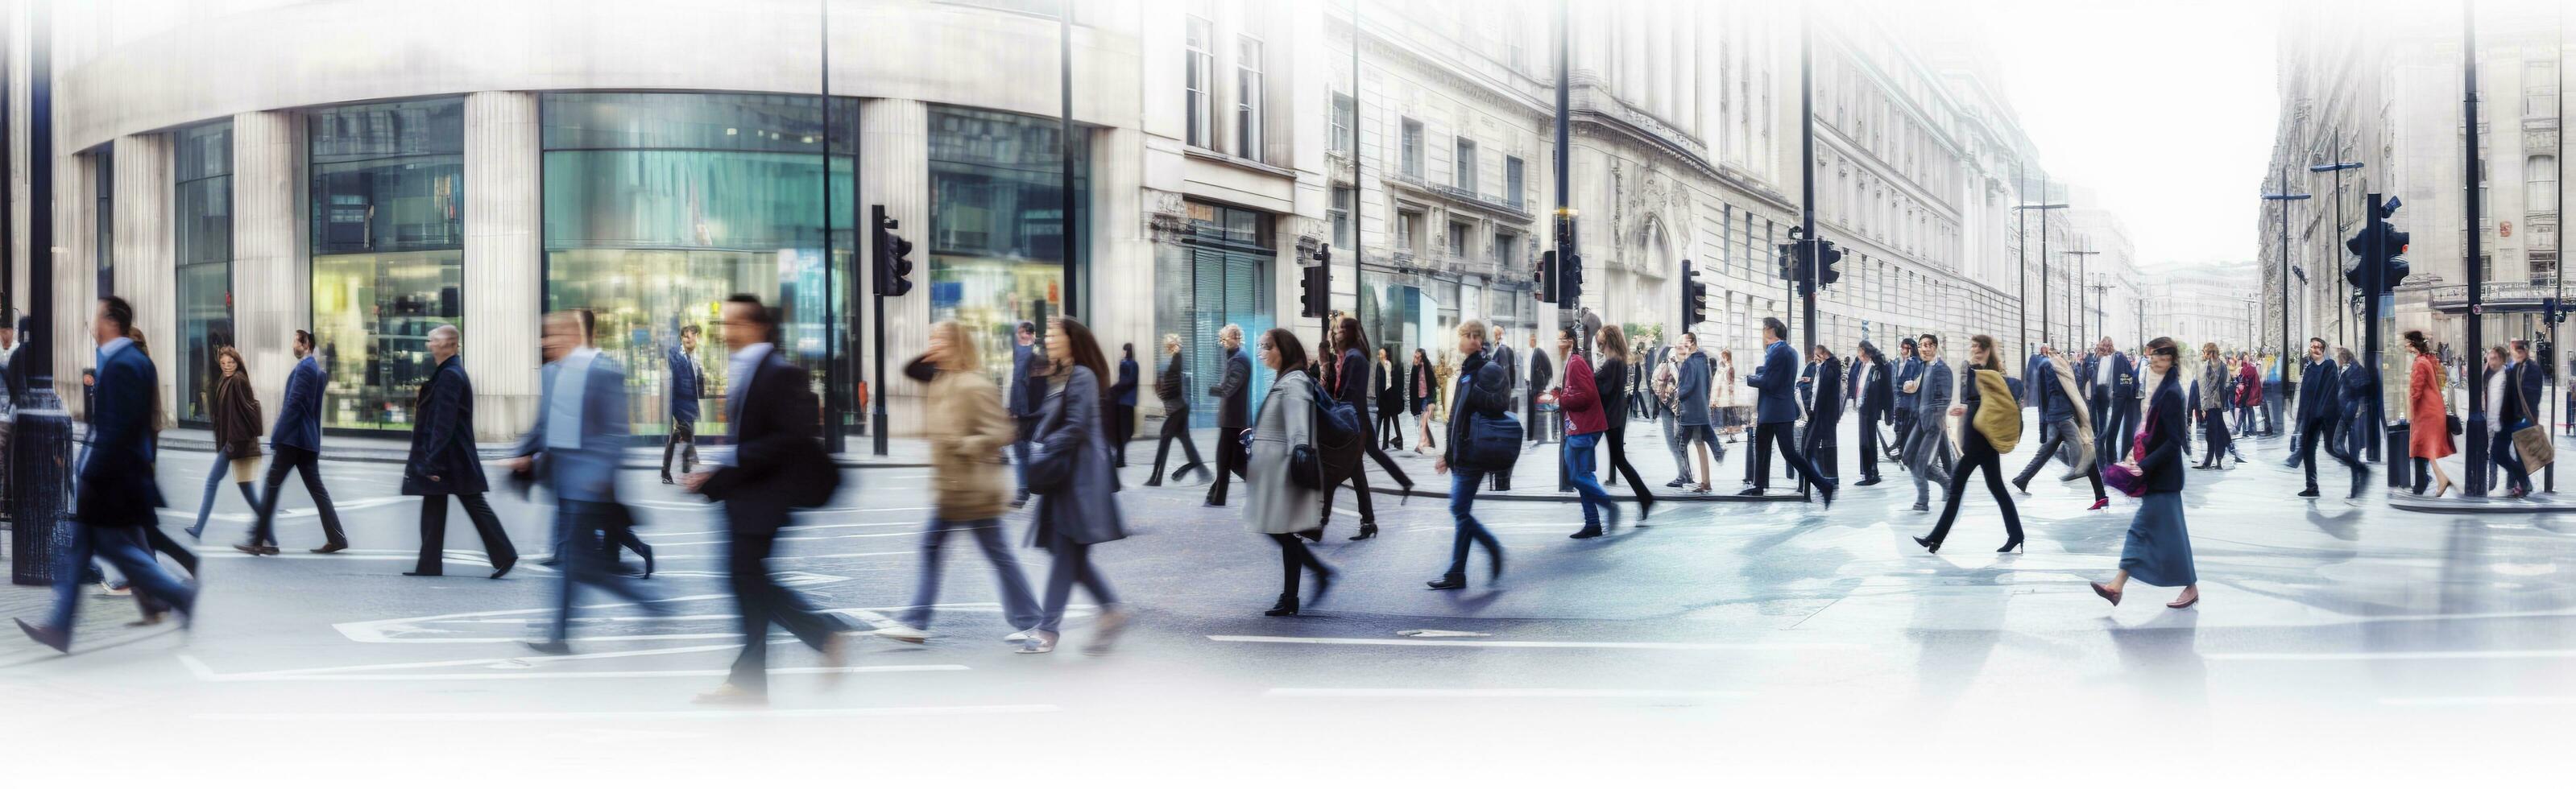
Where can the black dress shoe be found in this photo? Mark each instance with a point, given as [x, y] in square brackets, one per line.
[1457, 581]
[419, 574]
[332, 548]
[503, 569]
[1155, 481]
[1749, 492]
[550, 647]
[2308, 494]
[59, 640]
[1587, 533]
[2022, 484]
[1287, 606]
[1928, 544]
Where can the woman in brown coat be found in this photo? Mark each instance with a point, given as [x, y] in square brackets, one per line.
[970, 482]
[235, 413]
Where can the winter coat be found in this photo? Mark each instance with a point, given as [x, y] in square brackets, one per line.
[1276, 505]
[967, 429]
[442, 442]
[236, 417]
[1580, 399]
[1086, 512]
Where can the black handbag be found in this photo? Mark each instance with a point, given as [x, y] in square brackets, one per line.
[2453, 421]
[1305, 468]
[1050, 472]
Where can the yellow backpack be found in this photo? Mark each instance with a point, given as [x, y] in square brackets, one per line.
[1998, 415]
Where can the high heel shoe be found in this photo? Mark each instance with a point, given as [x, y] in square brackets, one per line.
[1287, 606]
[2099, 504]
[2445, 488]
[1929, 545]
[2010, 547]
[1367, 530]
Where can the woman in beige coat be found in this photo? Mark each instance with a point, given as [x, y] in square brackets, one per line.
[1277, 505]
[970, 483]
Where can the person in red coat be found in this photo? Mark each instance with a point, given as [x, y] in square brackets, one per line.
[2428, 438]
[1579, 400]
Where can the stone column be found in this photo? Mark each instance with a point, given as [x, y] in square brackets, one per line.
[146, 259]
[504, 292]
[894, 167]
[272, 280]
[75, 275]
[1122, 258]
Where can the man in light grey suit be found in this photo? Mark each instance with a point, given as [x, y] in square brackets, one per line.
[574, 448]
[1927, 449]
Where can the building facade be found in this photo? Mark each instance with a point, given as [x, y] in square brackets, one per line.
[2204, 303]
[238, 174]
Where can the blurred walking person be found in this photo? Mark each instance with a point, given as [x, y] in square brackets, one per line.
[1690, 408]
[1872, 396]
[2158, 550]
[2215, 402]
[2320, 397]
[1078, 509]
[1822, 441]
[1351, 385]
[1021, 394]
[116, 494]
[2428, 438]
[2505, 412]
[1483, 391]
[1274, 504]
[687, 386]
[2355, 420]
[1977, 450]
[1927, 451]
[778, 467]
[2527, 378]
[1168, 385]
[1424, 388]
[442, 462]
[1908, 368]
[963, 420]
[1586, 419]
[1390, 403]
[1541, 373]
[1667, 384]
[1613, 374]
[295, 444]
[2065, 424]
[236, 416]
[574, 449]
[1776, 413]
[1233, 412]
[1122, 406]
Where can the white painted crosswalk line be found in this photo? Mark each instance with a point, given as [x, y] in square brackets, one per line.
[1653, 645]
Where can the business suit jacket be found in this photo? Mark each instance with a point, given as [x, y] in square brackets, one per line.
[777, 456]
[299, 418]
[1906, 370]
[587, 473]
[117, 488]
[687, 384]
[1541, 373]
[2319, 394]
[1773, 380]
[1877, 396]
[1234, 395]
[1025, 393]
[442, 442]
[1124, 391]
[1932, 399]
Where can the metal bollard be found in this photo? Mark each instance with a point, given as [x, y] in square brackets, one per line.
[40, 485]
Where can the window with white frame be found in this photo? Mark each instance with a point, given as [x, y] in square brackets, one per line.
[1408, 230]
[1412, 162]
[1201, 82]
[1465, 166]
[2540, 179]
[1345, 118]
[1247, 98]
[1341, 211]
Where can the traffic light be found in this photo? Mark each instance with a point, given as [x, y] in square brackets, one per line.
[2379, 251]
[1569, 288]
[1826, 257]
[1789, 262]
[1694, 298]
[893, 272]
[1315, 286]
[1546, 277]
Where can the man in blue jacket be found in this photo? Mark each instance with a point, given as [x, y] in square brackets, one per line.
[1777, 413]
[687, 380]
[117, 495]
[1025, 390]
[2320, 404]
[1908, 369]
[295, 444]
[579, 435]
[1690, 409]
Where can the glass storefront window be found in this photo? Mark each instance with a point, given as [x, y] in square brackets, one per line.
[1219, 273]
[997, 223]
[106, 216]
[388, 230]
[203, 207]
[660, 205]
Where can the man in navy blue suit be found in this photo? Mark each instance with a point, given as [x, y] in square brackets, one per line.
[2320, 403]
[295, 444]
[686, 381]
[117, 495]
[580, 434]
[1777, 412]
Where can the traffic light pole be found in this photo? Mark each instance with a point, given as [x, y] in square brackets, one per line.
[2374, 281]
[876, 287]
[1568, 260]
[1807, 180]
[2477, 418]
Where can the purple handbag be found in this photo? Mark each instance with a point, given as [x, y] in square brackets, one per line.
[2125, 476]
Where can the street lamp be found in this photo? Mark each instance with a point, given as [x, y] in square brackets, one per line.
[2284, 196]
[2337, 168]
[2043, 209]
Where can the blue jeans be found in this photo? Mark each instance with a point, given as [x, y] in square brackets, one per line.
[123, 547]
[1072, 565]
[214, 482]
[1577, 457]
[2501, 452]
[1462, 499]
[1019, 607]
[577, 527]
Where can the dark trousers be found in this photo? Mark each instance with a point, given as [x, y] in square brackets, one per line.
[2213, 432]
[2320, 431]
[1976, 455]
[1359, 482]
[161, 543]
[1462, 504]
[1869, 449]
[682, 432]
[1020, 452]
[1618, 441]
[1904, 430]
[2501, 451]
[2108, 439]
[126, 548]
[1771, 434]
[1820, 442]
[584, 563]
[1294, 559]
[762, 601]
[1176, 427]
[433, 533]
[1122, 429]
[306, 464]
[1229, 461]
[1390, 423]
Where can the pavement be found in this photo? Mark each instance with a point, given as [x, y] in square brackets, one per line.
[1728, 640]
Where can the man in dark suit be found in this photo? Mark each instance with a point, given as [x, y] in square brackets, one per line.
[2111, 394]
[686, 381]
[1927, 450]
[2527, 380]
[1233, 412]
[1775, 412]
[1825, 413]
[117, 494]
[778, 464]
[1540, 375]
[442, 462]
[1500, 353]
[574, 448]
[1872, 394]
[13, 375]
[2320, 403]
[1027, 388]
[1907, 369]
[295, 445]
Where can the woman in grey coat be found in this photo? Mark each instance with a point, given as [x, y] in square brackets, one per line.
[1277, 505]
[1082, 510]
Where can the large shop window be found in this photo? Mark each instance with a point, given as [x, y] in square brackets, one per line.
[1217, 273]
[388, 239]
[660, 205]
[203, 201]
[997, 223]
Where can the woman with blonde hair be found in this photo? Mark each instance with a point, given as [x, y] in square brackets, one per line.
[970, 484]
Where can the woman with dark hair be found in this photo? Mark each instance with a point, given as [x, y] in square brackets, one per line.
[1424, 389]
[1976, 449]
[1586, 418]
[1274, 504]
[1122, 405]
[1082, 509]
[236, 417]
[2212, 407]
[1608, 379]
[2428, 438]
[1176, 418]
[2158, 551]
[1390, 402]
[1350, 385]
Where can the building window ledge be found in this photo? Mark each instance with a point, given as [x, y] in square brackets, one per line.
[1238, 162]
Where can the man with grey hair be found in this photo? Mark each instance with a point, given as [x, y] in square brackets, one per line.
[442, 462]
[1233, 412]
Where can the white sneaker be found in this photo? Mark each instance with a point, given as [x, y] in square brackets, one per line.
[1024, 635]
[901, 632]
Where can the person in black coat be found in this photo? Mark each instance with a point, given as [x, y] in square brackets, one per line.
[1824, 413]
[1615, 372]
[1483, 390]
[1351, 385]
[1541, 373]
[1168, 387]
[1875, 397]
[442, 462]
[1233, 411]
[1390, 401]
[1122, 406]
[2158, 550]
[2527, 380]
[778, 462]
[1422, 389]
[2320, 404]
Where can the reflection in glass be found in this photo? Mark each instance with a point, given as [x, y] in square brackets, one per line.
[387, 213]
[997, 223]
[203, 221]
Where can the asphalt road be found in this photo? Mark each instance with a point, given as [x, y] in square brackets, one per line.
[1726, 640]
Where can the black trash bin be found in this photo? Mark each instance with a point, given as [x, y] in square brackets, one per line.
[40, 484]
[2401, 463]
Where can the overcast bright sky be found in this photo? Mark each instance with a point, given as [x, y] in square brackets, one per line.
[2164, 108]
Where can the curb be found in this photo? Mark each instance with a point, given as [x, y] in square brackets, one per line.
[2411, 503]
[1570, 498]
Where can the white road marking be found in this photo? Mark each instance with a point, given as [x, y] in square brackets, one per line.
[792, 527]
[1415, 642]
[814, 537]
[715, 714]
[292, 512]
[1496, 693]
[2468, 654]
[2481, 701]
